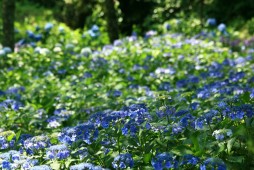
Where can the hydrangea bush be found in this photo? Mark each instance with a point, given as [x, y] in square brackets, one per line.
[162, 101]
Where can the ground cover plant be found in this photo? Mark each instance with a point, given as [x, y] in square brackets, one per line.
[162, 101]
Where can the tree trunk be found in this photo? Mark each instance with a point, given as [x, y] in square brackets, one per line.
[8, 17]
[202, 13]
[111, 18]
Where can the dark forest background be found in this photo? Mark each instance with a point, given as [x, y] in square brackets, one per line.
[122, 17]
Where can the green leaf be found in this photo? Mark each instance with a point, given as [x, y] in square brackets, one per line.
[230, 144]
[53, 140]
[236, 159]
[10, 137]
[221, 147]
[241, 130]
[194, 139]
[181, 150]
[147, 157]
[18, 135]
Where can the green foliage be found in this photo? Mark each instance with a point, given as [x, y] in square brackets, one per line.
[196, 84]
[250, 26]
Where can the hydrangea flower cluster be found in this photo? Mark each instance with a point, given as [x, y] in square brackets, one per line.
[34, 144]
[86, 132]
[84, 166]
[123, 161]
[15, 160]
[58, 152]
[164, 161]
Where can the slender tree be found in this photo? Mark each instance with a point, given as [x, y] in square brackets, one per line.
[8, 17]
[111, 18]
[202, 4]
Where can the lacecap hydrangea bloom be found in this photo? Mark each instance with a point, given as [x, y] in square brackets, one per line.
[36, 143]
[85, 166]
[123, 161]
[41, 167]
[164, 161]
[57, 152]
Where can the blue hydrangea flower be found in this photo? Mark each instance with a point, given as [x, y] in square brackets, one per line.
[177, 129]
[41, 167]
[213, 163]
[11, 155]
[6, 165]
[150, 34]
[252, 94]
[181, 113]
[167, 26]
[164, 160]
[48, 27]
[95, 28]
[10, 104]
[194, 105]
[84, 132]
[186, 120]
[94, 31]
[54, 121]
[36, 143]
[82, 153]
[234, 77]
[61, 29]
[62, 112]
[165, 86]
[2, 52]
[190, 159]
[30, 34]
[118, 43]
[222, 27]
[85, 166]
[7, 50]
[218, 136]
[123, 161]
[199, 123]
[211, 21]
[87, 75]
[57, 152]
[10, 160]
[30, 163]
[131, 127]
[114, 93]
[237, 115]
